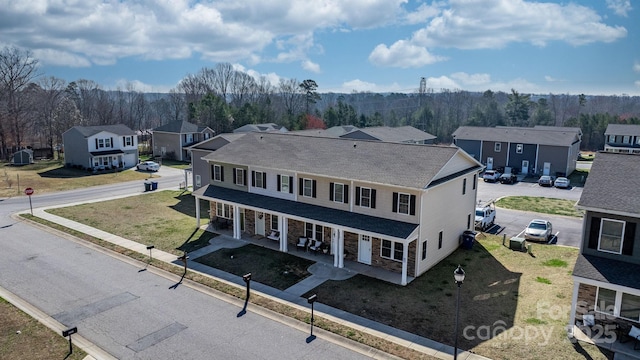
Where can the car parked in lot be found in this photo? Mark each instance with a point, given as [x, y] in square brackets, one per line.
[561, 182]
[491, 175]
[508, 179]
[545, 180]
[148, 166]
[538, 230]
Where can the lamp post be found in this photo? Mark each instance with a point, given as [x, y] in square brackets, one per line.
[458, 275]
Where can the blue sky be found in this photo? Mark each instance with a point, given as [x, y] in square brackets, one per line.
[590, 47]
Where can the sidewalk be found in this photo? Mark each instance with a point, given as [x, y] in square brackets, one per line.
[291, 296]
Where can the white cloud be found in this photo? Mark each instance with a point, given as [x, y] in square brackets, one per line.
[423, 13]
[481, 24]
[620, 7]
[472, 79]
[358, 85]
[311, 66]
[636, 66]
[138, 85]
[402, 54]
[63, 58]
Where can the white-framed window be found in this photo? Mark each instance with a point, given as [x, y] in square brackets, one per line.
[612, 138]
[626, 139]
[258, 179]
[365, 197]
[630, 307]
[284, 183]
[217, 173]
[497, 147]
[274, 222]
[338, 192]
[224, 210]
[403, 203]
[638, 140]
[307, 187]
[606, 300]
[198, 181]
[391, 250]
[100, 143]
[128, 141]
[314, 231]
[519, 148]
[239, 176]
[107, 143]
[611, 236]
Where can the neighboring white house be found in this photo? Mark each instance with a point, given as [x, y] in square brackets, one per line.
[100, 147]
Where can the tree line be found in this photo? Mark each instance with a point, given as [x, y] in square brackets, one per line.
[35, 109]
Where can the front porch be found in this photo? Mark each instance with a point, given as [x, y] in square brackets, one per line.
[319, 257]
[607, 339]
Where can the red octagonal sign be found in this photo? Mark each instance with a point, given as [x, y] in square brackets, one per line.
[28, 191]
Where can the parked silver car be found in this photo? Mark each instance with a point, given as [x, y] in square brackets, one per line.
[545, 180]
[148, 166]
[561, 182]
[538, 230]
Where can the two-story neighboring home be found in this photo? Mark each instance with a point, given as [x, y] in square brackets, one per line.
[266, 127]
[540, 150]
[172, 140]
[606, 276]
[622, 138]
[199, 167]
[100, 147]
[401, 207]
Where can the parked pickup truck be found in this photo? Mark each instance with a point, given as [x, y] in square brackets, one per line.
[485, 217]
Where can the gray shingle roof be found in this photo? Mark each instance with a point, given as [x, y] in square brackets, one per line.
[348, 219]
[519, 135]
[407, 165]
[608, 271]
[623, 129]
[396, 134]
[613, 183]
[118, 129]
[179, 127]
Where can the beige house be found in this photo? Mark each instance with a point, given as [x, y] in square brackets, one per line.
[172, 140]
[401, 207]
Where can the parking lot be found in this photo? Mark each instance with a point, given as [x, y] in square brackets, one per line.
[512, 222]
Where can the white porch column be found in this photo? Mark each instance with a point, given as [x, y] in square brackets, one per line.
[197, 212]
[334, 246]
[405, 257]
[284, 231]
[574, 302]
[340, 248]
[236, 222]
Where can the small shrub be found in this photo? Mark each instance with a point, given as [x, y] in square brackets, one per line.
[543, 280]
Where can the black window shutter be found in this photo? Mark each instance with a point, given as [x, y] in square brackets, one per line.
[345, 194]
[300, 185]
[395, 202]
[278, 186]
[96, 143]
[373, 198]
[629, 236]
[253, 178]
[111, 142]
[313, 188]
[331, 186]
[244, 177]
[123, 141]
[221, 173]
[234, 176]
[264, 180]
[594, 233]
[212, 171]
[290, 184]
[357, 195]
[412, 205]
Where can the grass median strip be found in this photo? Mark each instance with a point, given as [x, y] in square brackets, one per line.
[541, 205]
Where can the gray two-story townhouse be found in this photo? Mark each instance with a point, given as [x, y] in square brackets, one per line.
[100, 147]
[622, 138]
[199, 167]
[401, 207]
[606, 276]
[173, 139]
[541, 150]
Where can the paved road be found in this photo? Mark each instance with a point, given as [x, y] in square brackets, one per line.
[569, 229]
[136, 314]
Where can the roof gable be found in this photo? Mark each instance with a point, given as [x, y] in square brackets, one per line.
[179, 127]
[541, 136]
[118, 129]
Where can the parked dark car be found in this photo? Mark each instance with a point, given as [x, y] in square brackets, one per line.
[508, 179]
[545, 180]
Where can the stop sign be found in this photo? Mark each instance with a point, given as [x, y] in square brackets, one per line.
[28, 191]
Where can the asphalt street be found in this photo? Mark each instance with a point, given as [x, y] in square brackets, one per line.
[512, 222]
[135, 314]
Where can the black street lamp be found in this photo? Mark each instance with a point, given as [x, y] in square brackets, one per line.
[458, 275]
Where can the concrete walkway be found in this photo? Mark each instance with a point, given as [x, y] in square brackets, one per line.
[292, 296]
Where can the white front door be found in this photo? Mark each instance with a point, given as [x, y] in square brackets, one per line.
[364, 249]
[525, 167]
[489, 163]
[546, 169]
[259, 223]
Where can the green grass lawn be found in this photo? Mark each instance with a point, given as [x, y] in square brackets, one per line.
[22, 337]
[541, 205]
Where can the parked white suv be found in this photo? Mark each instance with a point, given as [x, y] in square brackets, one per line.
[491, 175]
